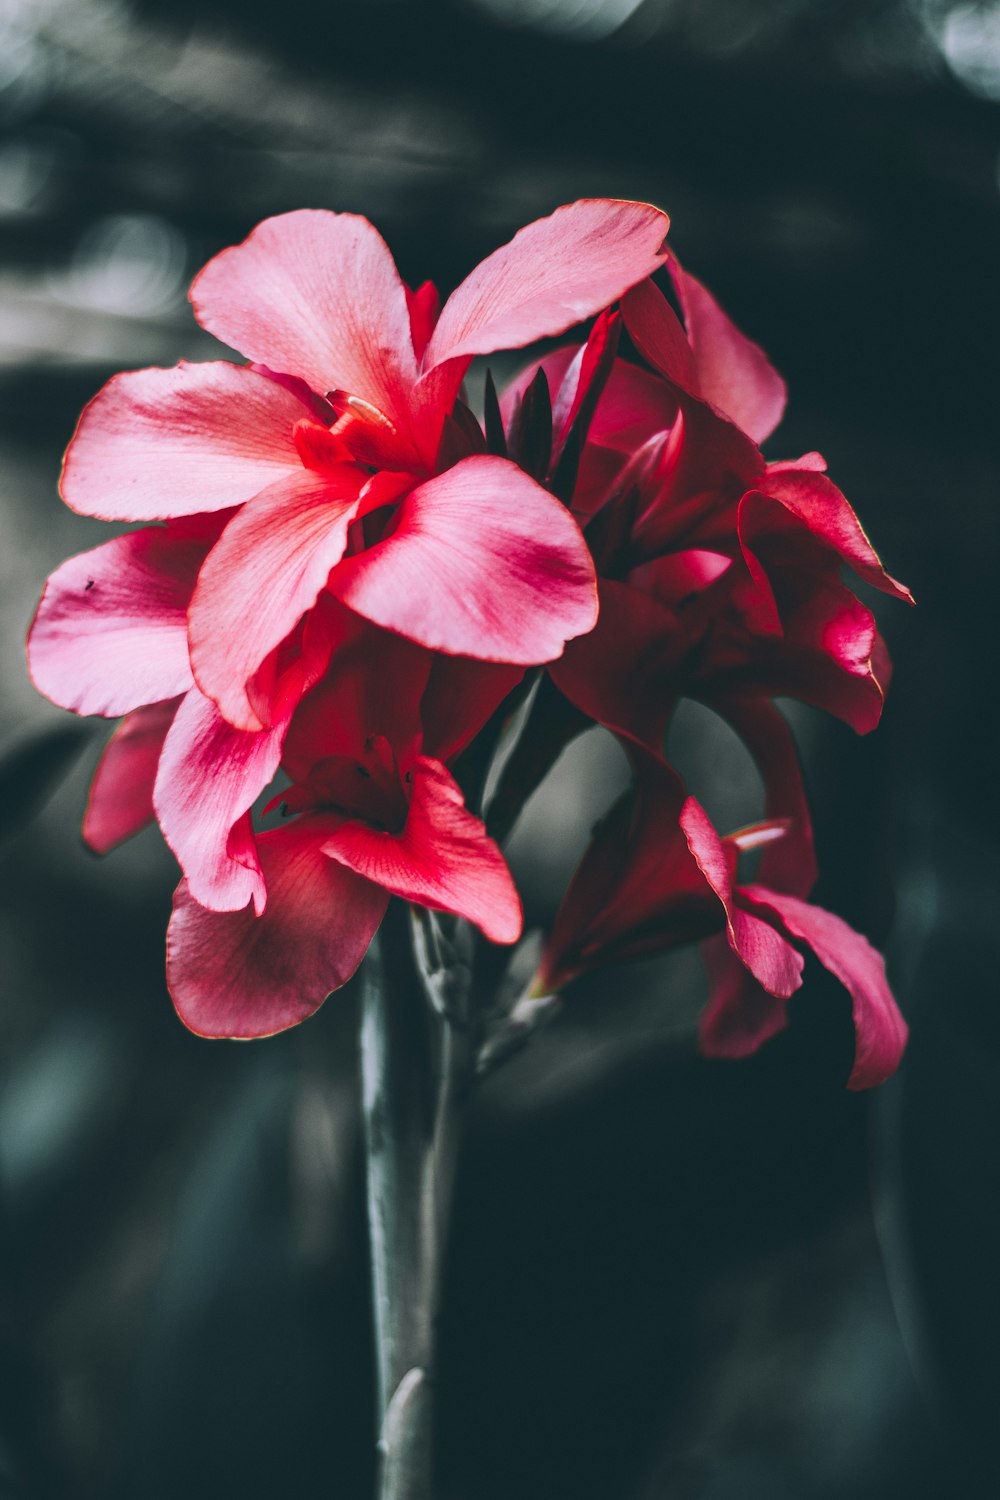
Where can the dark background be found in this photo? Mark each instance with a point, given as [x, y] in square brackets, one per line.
[668, 1278]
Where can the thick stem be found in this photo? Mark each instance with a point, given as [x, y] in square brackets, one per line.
[415, 1067]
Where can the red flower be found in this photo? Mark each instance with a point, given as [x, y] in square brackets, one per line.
[656, 875]
[445, 544]
[375, 813]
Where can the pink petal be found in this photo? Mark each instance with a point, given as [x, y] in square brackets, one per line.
[740, 1015]
[316, 294]
[817, 502]
[551, 275]
[110, 633]
[766, 954]
[233, 974]
[734, 373]
[880, 1029]
[160, 443]
[120, 801]
[483, 562]
[442, 858]
[209, 776]
[263, 574]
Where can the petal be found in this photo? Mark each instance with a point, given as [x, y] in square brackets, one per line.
[551, 275]
[442, 858]
[483, 562]
[460, 697]
[656, 332]
[160, 443]
[316, 294]
[880, 1029]
[209, 776]
[740, 1015]
[817, 502]
[110, 633]
[263, 574]
[765, 953]
[734, 373]
[788, 864]
[233, 974]
[120, 801]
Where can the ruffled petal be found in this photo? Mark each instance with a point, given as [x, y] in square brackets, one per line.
[209, 777]
[120, 801]
[159, 443]
[880, 1030]
[110, 632]
[734, 373]
[483, 562]
[263, 574]
[316, 294]
[234, 974]
[442, 858]
[551, 275]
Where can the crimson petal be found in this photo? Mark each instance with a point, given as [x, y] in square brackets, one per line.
[234, 974]
[120, 801]
[442, 858]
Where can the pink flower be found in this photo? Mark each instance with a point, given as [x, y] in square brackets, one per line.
[355, 469]
[374, 812]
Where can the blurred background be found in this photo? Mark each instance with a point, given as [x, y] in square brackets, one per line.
[668, 1278]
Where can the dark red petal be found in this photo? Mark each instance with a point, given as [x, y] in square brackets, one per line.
[264, 573]
[817, 502]
[656, 331]
[442, 858]
[120, 801]
[740, 1015]
[880, 1029]
[734, 373]
[159, 443]
[483, 562]
[233, 974]
[767, 955]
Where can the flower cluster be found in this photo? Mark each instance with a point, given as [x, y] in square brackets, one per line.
[343, 578]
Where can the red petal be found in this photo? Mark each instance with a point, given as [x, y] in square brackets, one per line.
[232, 974]
[880, 1029]
[264, 573]
[740, 1015]
[461, 695]
[316, 294]
[734, 373]
[817, 502]
[770, 959]
[209, 776]
[656, 331]
[442, 858]
[160, 443]
[110, 633]
[120, 801]
[483, 562]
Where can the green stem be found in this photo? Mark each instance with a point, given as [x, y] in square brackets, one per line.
[416, 1067]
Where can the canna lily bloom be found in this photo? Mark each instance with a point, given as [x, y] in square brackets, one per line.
[342, 455]
[657, 876]
[372, 812]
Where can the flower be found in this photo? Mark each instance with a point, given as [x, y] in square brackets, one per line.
[352, 466]
[656, 875]
[372, 811]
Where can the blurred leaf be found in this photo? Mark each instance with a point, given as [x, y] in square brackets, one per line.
[31, 771]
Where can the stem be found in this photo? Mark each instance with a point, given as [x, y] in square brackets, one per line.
[415, 1068]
